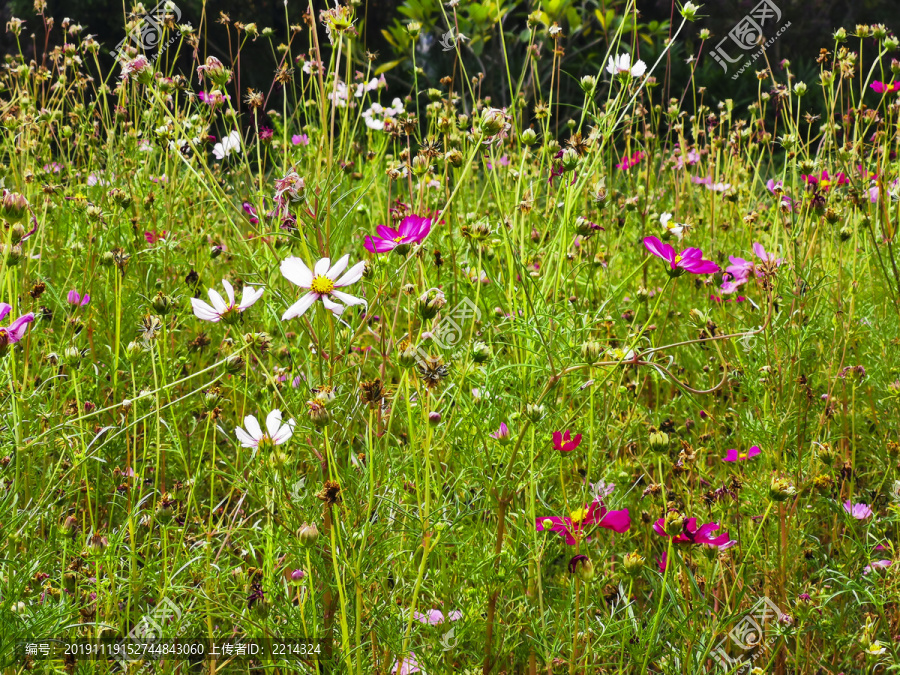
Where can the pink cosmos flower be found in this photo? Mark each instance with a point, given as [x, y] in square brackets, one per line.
[266, 133]
[735, 456]
[564, 441]
[435, 617]
[877, 565]
[300, 139]
[689, 260]
[407, 666]
[322, 283]
[572, 528]
[412, 230]
[710, 184]
[663, 560]
[502, 434]
[859, 511]
[690, 159]
[738, 273]
[153, 236]
[14, 331]
[75, 298]
[692, 534]
[220, 310]
[885, 87]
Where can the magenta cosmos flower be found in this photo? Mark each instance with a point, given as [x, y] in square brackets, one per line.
[502, 434]
[885, 87]
[14, 331]
[689, 260]
[222, 311]
[859, 511]
[413, 229]
[735, 456]
[322, 283]
[564, 441]
[738, 273]
[75, 298]
[692, 534]
[573, 527]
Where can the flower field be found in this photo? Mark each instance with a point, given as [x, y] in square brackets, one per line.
[432, 378]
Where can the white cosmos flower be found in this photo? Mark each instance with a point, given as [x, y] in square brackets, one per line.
[231, 143]
[673, 228]
[222, 310]
[322, 283]
[276, 433]
[621, 65]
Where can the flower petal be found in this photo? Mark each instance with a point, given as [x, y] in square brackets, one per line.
[352, 275]
[295, 270]
[322, 267]
[338, 267]
[229, 291]
[203, 311]
[299, 308]
[217, 301]
[273, 423]
[253, 428]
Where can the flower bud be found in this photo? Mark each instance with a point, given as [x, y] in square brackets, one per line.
[431, 302]
[659, 441]
[673, 525]
[407, 354]
[781, 489]
[633, 564]
[162, 303]
[308, 534]
[534, 412]
[454, 158]
[583, 567]
[481, 352]
[569, 161]
[434, 418]
[13, 207]
[590, 351]
[529, 137]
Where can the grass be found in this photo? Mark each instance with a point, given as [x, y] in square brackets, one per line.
[412, 504]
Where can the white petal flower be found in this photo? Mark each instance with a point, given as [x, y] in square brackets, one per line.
[621, 65]
[231, 143]
[322, 283]
[219, 309]
[276, 433]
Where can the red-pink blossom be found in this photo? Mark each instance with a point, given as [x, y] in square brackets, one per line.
[692, 534]
[572, 528]
[689, 260]
[413, 229]
[564, 441]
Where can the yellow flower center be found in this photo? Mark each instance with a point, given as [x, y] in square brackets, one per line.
[677, 259]
[398, 239]
[742, 455]
[577, 516]
[322, 285]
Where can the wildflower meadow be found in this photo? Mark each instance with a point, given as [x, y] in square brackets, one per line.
[515, 354]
